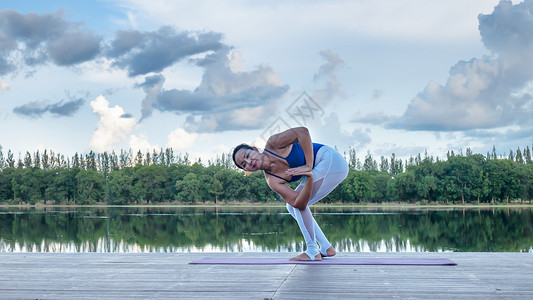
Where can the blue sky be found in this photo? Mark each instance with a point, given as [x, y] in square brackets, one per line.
[383, 77]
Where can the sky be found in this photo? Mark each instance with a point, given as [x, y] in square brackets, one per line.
[381, 76]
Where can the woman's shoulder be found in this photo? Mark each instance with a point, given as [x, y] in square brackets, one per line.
[280, 151]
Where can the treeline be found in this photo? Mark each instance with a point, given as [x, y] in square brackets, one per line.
[165, 177]
[125, 178]
[469, 178]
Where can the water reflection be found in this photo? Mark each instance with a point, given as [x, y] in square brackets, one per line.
[262, 230]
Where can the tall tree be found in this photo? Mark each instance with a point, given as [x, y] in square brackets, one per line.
[45, 160]
[124, 159]
[37, 160]
[352, 159]
[396, 166]
[139, 158]
[76, 161]
[384, 164]
[2, 159]
[90, 160]
[10, 161]
[169, 156]
[370, 163]
[519, 158]
[27, 160]
[527, 155]
[147, 159]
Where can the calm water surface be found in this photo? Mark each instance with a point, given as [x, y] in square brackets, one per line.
[262, 230]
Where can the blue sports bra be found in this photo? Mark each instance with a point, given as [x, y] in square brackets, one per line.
[295, 159]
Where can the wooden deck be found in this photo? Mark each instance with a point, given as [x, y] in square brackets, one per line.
[162, 275]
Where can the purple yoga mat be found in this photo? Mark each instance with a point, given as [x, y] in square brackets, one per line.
[328, 261]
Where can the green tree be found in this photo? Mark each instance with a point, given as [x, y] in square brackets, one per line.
[45, 160]
[90, 186]
[493, 181]
[10, 161]
[527, 155]
[216, 189]
[120, 186]
[6, 190]
[62, 187]
[353, 161]
[519, 158]
[381, 181]
[406, 185]
[150, 183]
[189, 189]
[524, 174]
[2, 159]
[370, 163]
[362, 186]
[384, 165]
[27, 160]
[460, 178]
[37, 160]
[427, 187]
[396, 166]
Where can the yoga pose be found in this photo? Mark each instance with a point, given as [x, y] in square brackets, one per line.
[289, 156]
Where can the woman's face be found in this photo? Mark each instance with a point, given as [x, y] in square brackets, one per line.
[250, 160]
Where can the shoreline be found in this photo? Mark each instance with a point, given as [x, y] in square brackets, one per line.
[274, 205]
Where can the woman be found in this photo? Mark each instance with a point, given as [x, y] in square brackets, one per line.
[289, 156]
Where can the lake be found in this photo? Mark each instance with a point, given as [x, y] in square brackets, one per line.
[246, 229]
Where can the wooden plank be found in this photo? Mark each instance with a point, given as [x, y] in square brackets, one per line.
[167, 275]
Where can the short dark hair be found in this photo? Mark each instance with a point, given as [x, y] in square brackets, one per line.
[241, 146]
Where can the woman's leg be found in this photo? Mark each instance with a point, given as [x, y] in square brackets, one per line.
[329, 171]
[306, 222]
[316, 230]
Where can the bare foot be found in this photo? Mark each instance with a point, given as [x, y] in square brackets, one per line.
[330, 252]
[305, 257]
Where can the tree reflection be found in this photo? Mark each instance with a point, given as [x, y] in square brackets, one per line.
[261, 230]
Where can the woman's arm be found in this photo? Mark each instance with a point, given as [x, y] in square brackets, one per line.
[293, 198]
[284, 139]
[281, 141]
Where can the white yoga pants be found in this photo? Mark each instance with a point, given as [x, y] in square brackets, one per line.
[329, 171]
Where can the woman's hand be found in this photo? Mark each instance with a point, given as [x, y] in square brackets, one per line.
[301, 170]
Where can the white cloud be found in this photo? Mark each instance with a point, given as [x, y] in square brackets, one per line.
[4, 86]
[224, 97]
[250, 116]
[327, 75]
[140, 143]
[132, 20]
[179, 139]
[113, 127]
[382, 18]
[236, 64]
[330, 131]
[487, 92]
[472, 98]
[222, 149]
